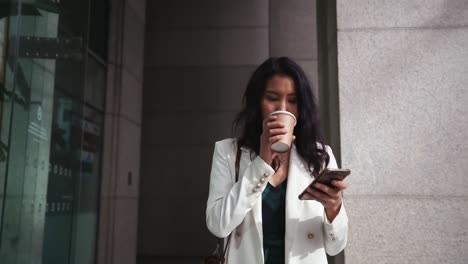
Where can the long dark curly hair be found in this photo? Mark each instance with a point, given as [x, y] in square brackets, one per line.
[309, 141]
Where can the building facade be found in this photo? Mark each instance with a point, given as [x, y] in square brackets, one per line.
[109, 112]
[63, 74]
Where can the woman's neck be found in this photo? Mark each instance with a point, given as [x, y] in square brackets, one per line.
[284, 157]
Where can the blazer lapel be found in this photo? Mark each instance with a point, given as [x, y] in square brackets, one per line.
[257, 208]
[298, 178]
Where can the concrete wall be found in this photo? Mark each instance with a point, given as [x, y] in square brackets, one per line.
[403, 74]
[121, 157]
[199, 56]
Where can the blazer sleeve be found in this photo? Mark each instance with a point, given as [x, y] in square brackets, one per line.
[229, 202]
[335, 233]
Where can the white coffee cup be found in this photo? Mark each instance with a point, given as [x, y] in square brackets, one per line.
[290, 121]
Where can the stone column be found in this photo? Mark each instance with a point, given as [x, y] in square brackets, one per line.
[117, 240]
[403, 78]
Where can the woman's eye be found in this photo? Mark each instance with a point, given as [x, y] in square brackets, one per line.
[271, 98]
[293, 101]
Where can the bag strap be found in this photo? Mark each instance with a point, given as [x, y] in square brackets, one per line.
[237, 164]
[238, 154]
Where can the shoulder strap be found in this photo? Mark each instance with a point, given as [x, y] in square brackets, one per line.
[238, 154]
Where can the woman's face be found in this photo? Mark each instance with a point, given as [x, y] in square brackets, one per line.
[279, 94]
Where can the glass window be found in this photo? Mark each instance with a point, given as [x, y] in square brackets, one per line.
[64, 170]
[50, 162]
[96, 75]
[87, 187]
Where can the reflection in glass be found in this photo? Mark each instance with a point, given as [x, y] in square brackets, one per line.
[86, 220]
[50, 141]
[94, 92]
[64, 168]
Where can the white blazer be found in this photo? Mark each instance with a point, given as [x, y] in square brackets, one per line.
[237, 208]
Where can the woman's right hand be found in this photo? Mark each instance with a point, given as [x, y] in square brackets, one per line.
[273, 130]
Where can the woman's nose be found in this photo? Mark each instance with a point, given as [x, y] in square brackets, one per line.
[282, 105]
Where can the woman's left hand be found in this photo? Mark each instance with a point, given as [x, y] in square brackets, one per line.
[331, 198]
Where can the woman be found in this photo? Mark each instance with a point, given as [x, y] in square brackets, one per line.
[261, 211]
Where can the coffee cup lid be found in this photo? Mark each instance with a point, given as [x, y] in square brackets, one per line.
[285, 112]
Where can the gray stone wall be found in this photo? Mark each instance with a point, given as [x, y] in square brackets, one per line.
[403, 78]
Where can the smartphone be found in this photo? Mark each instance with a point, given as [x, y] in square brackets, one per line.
[326, 177]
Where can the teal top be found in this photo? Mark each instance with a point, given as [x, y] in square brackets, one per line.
[273, 218]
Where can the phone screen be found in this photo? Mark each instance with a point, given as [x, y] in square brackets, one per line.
[326, 177]
[330, 175]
